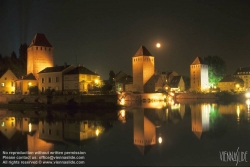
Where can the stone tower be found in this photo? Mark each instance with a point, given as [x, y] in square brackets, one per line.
[199, 75]
[143, 68]
[39, 55]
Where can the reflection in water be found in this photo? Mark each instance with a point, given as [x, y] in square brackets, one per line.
[144, 131]
[155, 130]
[248, 112]
[36, 144]
[148, 120]
[8, 126]
[238, 114]
[46, 130]
[200, 118]
[122, 115]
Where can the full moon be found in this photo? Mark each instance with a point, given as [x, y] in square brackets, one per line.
[158, 45]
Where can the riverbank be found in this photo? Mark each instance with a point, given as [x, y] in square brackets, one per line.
[63, 99]
[72, 102]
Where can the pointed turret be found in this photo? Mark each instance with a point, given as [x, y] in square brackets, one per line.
[198, 60]
[40, 40]
[142, 51]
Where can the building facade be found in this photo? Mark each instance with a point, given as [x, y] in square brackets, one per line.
[25, 85]
[199, 75]
[244, 74]
[81, 80]
[39, 55]
[52, 78]
[7, 80]
[231, 84]
[143, 69]
[177, 84]
[121, 80]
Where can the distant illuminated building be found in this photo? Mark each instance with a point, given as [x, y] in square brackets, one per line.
[7, 82]
[200, 118]
[143, 69]
[199, 75]
[244, 74]
[24, 84]
[39, 55]
[231, 83]
[81, 79]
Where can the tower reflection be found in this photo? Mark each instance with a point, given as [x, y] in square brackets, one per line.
[200, 118]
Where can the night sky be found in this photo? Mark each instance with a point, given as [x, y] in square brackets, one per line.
[103, 35]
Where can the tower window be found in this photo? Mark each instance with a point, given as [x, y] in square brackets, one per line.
[41, 48]
[42, 80]
[36, 48]
[45, 48]
[49, 80]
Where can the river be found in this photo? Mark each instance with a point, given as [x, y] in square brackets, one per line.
[154, 134]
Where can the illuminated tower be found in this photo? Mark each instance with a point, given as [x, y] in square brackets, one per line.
[143, 68]
[39, 55]
[198, 75]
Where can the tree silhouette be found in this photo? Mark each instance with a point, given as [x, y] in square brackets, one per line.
[216, 69]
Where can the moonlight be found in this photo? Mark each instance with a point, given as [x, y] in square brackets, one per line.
[158, 45]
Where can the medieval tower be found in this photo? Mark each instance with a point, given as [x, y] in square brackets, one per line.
[39, 55]
[143, 69]
[198, 75]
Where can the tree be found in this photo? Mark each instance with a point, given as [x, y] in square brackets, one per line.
[111, 75]
[216, 69]
[23, 54]
[13, 56]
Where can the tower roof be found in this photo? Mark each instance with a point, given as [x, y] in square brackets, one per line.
[142, 51]
[40, 40]
[198, 60]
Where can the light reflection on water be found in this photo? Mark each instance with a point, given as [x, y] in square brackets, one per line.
[144, 134]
